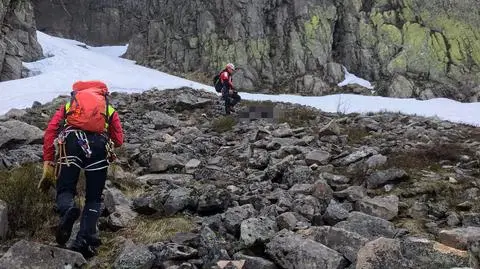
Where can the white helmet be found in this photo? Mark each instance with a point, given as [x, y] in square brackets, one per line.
[230, 66]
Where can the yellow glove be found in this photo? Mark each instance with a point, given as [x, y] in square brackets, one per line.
[48, 176]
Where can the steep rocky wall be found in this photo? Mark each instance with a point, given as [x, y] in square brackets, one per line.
[410, 48]
[435, 43]
[18, 38]
[277, 43]
[97, 22]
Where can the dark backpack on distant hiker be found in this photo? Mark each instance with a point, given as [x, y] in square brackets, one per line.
[217, 83]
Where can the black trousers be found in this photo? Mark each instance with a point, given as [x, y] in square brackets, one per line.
[96, 167]
[230, 99]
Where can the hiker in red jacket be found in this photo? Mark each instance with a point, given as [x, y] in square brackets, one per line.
[229, 94]
[84, 131]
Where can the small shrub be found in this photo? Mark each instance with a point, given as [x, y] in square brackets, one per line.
[297, 117]
[428, 156]
[29, 210]
[356, 134]
[150, 229]
[223, 124]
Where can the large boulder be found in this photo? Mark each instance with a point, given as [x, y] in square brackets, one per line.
[134, 256]
[290, 250]
[368, 226]
[18, 132]
[345, 242]
[119, 208]
[25, 254]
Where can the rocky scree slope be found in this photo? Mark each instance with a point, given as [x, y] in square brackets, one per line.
[409, 48]
[311, 190]
[18, 38]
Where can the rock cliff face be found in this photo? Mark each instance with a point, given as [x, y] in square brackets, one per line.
[92, 21]
[409, 48]
[18, 38]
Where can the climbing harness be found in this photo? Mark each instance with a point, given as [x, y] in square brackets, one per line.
[83, 142]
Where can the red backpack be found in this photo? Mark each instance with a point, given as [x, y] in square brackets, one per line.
[88, 107]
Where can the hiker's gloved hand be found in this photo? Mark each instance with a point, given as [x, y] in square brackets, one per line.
[48, 177]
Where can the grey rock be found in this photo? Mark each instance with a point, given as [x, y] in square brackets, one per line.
[15, 113]
[191, 166]
[332, 128]
[283, 131]
[319, 157]
[335, 181]
[213, 200]
[335, 213]
[19, 132]
[119, 208]
[368, 226]
[459, 237]
[401, 87]
[287, 220]
[356, 156]
[352, 194]
[297, 174]
[3, 219]
[290, 250]
[257, 230]
[471, 219]
[383, 207]
[134, 256]
[252, 262]
[345, 242]
[162, 120]
[322, 191]
[158, 179]
[233, 217]
[380, 178]
[424, 254]
[24, 254]
[308, 206]
[211, 247]
[260, 160]
[376, 161]
[172, 251]
[178, 200]
[381, 253]
[453, 219]
[190, 101]
[275, 172]
[161, 162]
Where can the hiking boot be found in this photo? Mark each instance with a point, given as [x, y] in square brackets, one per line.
[81, 246]
[232, 109]
[64, 229]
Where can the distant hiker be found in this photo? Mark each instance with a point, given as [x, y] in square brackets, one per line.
[224, 85]
[84, 132]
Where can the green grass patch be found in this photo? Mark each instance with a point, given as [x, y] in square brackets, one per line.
[150, 230]
[223, 124]
[30, 212]
[356, 134]
[297, 117]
